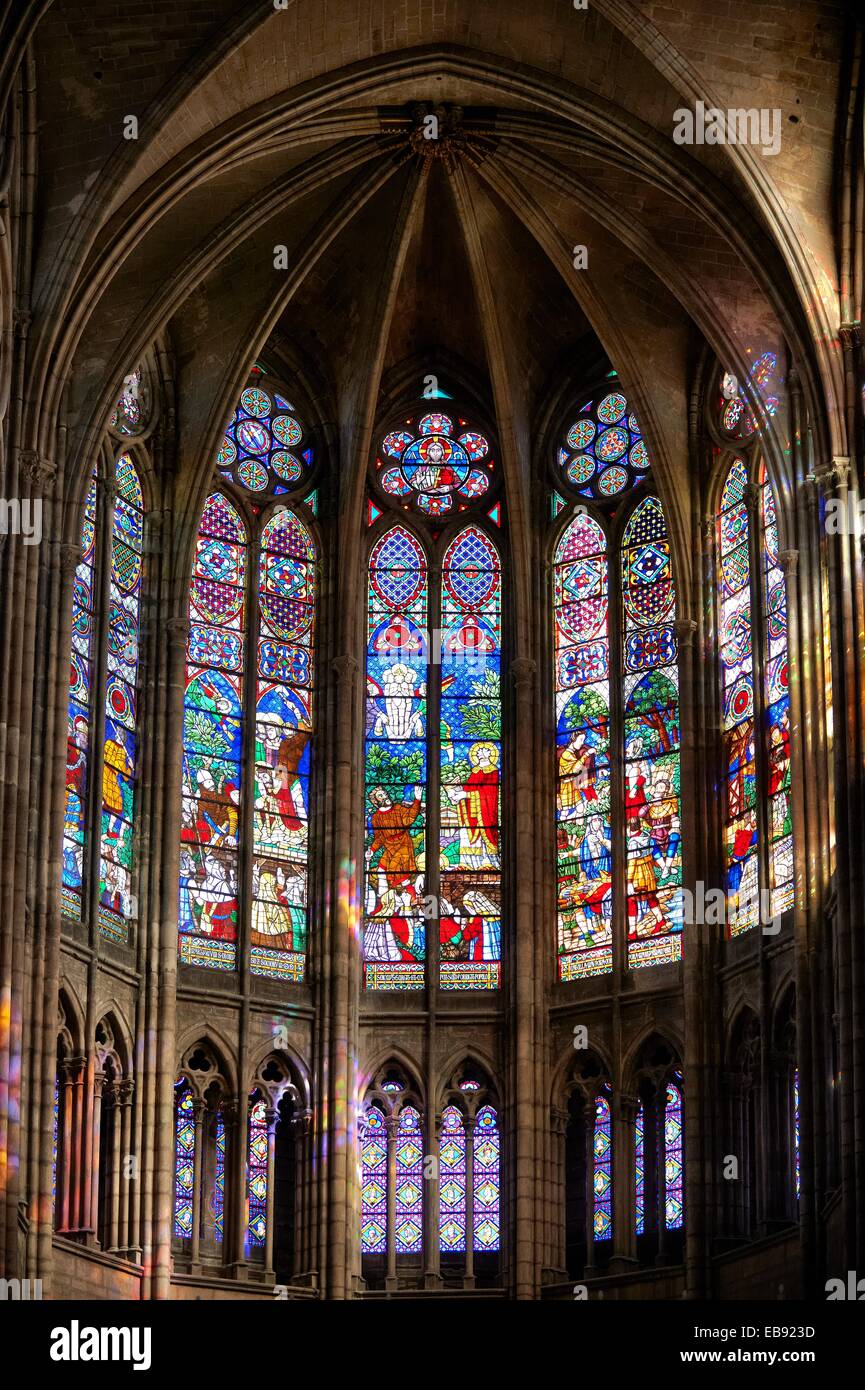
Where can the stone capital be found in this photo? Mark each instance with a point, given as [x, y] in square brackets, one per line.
[523, 670]
[40, 470]
[686, 631]
[789, 562]
[70, 557]
[344, 668]
[177, 630]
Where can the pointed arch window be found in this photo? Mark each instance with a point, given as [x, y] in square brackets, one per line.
[250, 694]
[102, 740]
[433, 758]
[618, 837]
[659, 1158]
[752, 620]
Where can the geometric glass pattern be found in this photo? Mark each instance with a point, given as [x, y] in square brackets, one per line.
[435, 464]
[256, 1223]
[486, 1187]
[603, 453]
[674, 1166]
[394, 937]
[737, 666]
[213, 739]
[582, 681]
[651, 737]
[603, 1164]
[640, 1168]
[409, 1182]
[283, 737]
[217, 1201]
[452, 1182]
[262, 450]
[796, 1134]
[79, 714]
[776, 697]
[738, 416]
[184, 1158]
[373, 1158]
[470, 761]
[120, 746]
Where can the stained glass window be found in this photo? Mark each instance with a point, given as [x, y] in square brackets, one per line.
[674, 1166]
[452, 1182]
[797, 1175]
[409, 1182]
[283, 734]
[603, 453]
[396, 762]
[584, 830]
[640, 1168]
[470, 761]
[651, 736]
[81, 677]
[487, 1185]
[777, 704]
[735, 643]
[217, 1201]
[603, 1164]
[754, 605]
[184, 1159]
[373, 1158]
[212, 739]
[256, 1177]
[119, 750]
[265, 449]
[743, 412]
[435, 464]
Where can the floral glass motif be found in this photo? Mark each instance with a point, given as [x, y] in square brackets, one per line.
[674, 1165]
[470, 761]
[452, 1182]
[119, 750]
[739, 416]
[78, 750]
[264, 450]
[776, 696]
[394, 940]
[651, 709]
[127, 416]
[603, 452]
[737, 667]
[583, 829]
[217, 1199]
[603, 1164]
[409, 1182]
[486, 1194]
[184, 1159]
[213, 740]
[373, 1158]
[435, 463]
[797, 1137]
[283, 734]
[256, 1178]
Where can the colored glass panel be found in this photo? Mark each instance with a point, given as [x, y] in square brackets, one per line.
[674, 1163]
[213, 740]
[256, 1174]
[640, 1169]
[776, 696]
[409, 1182]
[373, 1159]
[470, 762]
[651, 737]
[283, 738]
[797, 1136]
[394, 937]
[582, 686]
[120, 747]
[486, 1187]
[184, 1159]
[737, 673]
[217, 1200]
[433, 466]
[603, 453]
[264, 448]
[603, 1166]
[78, 751]
[452, 1182]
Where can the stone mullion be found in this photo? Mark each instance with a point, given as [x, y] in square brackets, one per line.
[123, 1129]
[270, 1215]
[557, 1189]
[590, 1111]
[624, 1117]
[432, 937]
[391, 1127]
[198, 1116]
[92, 1172]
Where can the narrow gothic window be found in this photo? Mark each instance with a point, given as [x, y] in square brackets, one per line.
[252, 629]
[588, 1156]
[603, 457]
[270, 1170]
[433, 746]
[200, 1158]
[659, 1159]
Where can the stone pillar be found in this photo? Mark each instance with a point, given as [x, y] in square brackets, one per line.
[624, 1117]
[199, 1110]
[469, 1127]
[270, 1216]
[431, 1189]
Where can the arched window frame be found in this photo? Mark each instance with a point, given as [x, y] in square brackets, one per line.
[104, 742]
[203, 1160]
[393, 1096]
[612, 946]
[273, 1107]
[112, 1141]
[469, 1228]
[766, 856]
[659, 1151]
[434, 544]
[243, 953]
[587, 1135]
[68, 1121]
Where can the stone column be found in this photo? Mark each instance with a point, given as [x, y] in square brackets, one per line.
[391, 1126]
[431, 1189]
[270, 1216]
[624, 1117]
[199, 1110]
[469, 1127]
